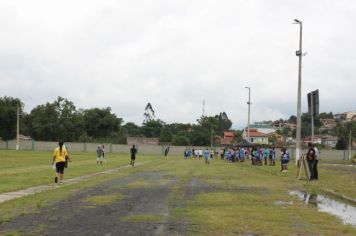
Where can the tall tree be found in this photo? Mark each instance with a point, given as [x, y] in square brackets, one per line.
[8, 116]
[149, 113]
[101, 123]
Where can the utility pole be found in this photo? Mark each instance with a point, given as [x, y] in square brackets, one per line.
[312, 116]
[350, 145]
[299, 120]
[211, 137]
[18, 129]
[248, 116]
[203, 107]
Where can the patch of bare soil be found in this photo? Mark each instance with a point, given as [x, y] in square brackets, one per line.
[74, 216]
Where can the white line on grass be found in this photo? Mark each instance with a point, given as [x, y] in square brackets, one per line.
[32, 190]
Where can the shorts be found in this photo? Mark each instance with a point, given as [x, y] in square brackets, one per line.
[133, 157]
[60, 167]
[100, 158]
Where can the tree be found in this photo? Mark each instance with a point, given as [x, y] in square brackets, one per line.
[325, 115]
[152, 128]
[8, 116]
[133, 129]
[292, 119]
[101, 123]
[237, 136]
[57, 120]
[341, 144]
[149, 113]
[165, 135]
[180, 140]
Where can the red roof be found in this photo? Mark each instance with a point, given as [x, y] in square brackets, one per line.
[228, 134]
[255, 133]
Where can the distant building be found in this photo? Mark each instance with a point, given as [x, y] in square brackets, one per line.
[308, 139]
[346, 116]
[278, 137]
[255, 136]
[329, 141]
[24, 137]
[227, 139]
[328, 124]
[263, 128]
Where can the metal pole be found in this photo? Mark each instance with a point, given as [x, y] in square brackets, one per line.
[350, 145]
[249, 110]
[18, 129]
[299, 54]
[312, 116]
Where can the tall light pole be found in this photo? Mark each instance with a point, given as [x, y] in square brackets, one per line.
[299, 120]
[248, 117]
[18, 128]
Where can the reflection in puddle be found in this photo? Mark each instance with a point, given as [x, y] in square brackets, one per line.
[343, 211]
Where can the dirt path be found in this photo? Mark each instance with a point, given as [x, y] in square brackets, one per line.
[142, 211]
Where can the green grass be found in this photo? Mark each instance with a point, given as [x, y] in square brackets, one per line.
[23, 169]
[230, 198]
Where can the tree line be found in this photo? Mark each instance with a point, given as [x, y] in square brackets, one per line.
[61, 119]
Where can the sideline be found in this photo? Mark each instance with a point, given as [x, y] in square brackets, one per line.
[4, 197]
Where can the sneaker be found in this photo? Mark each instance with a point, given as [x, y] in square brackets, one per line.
[56, 179]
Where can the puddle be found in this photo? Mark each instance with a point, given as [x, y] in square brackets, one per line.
[339, 209]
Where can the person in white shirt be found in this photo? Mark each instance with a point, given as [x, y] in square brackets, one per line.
[315, 166]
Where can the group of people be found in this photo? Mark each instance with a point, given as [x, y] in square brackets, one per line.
[258, 155]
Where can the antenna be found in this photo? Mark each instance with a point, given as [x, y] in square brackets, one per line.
[203, 107]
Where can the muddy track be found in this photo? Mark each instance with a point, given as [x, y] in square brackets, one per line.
[75, 216]
[143, 209]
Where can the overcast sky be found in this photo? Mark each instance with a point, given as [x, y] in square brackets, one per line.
[175, 54]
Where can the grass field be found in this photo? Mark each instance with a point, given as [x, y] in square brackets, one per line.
[217, 199]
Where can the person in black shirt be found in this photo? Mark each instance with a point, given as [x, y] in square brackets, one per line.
[311, 160]
[133, 152]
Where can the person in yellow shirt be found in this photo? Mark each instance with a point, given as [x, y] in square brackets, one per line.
[60, 155]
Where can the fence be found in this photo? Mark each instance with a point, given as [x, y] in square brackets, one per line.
[327, 154]
[89, 147]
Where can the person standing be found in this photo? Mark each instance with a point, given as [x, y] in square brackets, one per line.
[99, 155]
[311, 160]
[103, 148]
[315, 166]
[284, 160]
[60, 155]
[133, 152]
[207, 156]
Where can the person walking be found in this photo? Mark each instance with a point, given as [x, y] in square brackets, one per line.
[133, 152]
[60, 155]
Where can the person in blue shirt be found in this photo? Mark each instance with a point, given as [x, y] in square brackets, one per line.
[227, 154]
[272, 157]
[284, 160]
[207, 156]
[265, 155]
[242, 154]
